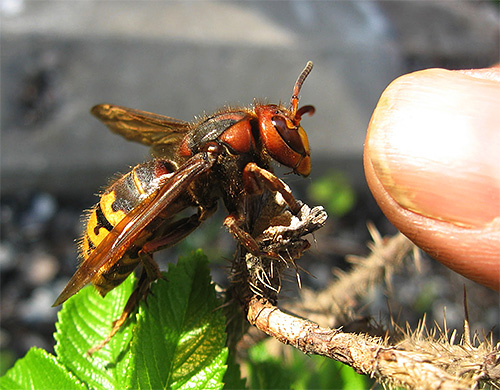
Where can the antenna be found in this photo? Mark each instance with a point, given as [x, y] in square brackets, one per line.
[294, 102]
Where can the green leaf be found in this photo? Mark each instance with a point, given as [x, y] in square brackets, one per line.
[39, 370]
[352, 380]
[180, 340]
[266, 371]
[84, 321]
[331, 374]
[177, 340]
[7, 360]
[334, 192]
[298, 371]
[232, 377]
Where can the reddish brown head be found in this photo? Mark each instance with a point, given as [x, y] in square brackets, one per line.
[280, 131]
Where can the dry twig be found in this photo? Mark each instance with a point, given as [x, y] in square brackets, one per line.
[415, 368]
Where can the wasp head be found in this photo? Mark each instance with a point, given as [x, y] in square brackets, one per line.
[281, 133]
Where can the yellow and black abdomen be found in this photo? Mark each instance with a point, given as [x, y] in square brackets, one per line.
[117, 201]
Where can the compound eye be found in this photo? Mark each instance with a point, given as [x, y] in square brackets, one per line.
[290, 135]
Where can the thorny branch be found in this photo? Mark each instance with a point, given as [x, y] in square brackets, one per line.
[418, 361]
[373, 356]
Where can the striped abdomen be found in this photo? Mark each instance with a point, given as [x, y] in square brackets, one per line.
[115, 204]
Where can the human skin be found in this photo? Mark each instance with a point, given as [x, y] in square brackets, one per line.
[432, 162]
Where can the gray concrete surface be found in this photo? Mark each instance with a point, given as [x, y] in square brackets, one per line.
[185, 58]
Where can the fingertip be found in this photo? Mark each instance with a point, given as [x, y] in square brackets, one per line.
[430, 160]
[471, 252]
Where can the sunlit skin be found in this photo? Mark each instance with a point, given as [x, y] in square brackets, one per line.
[432, 162]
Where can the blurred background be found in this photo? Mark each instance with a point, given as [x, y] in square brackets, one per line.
[185, 58]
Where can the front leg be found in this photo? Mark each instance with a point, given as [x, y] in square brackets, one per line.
[256, 179]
